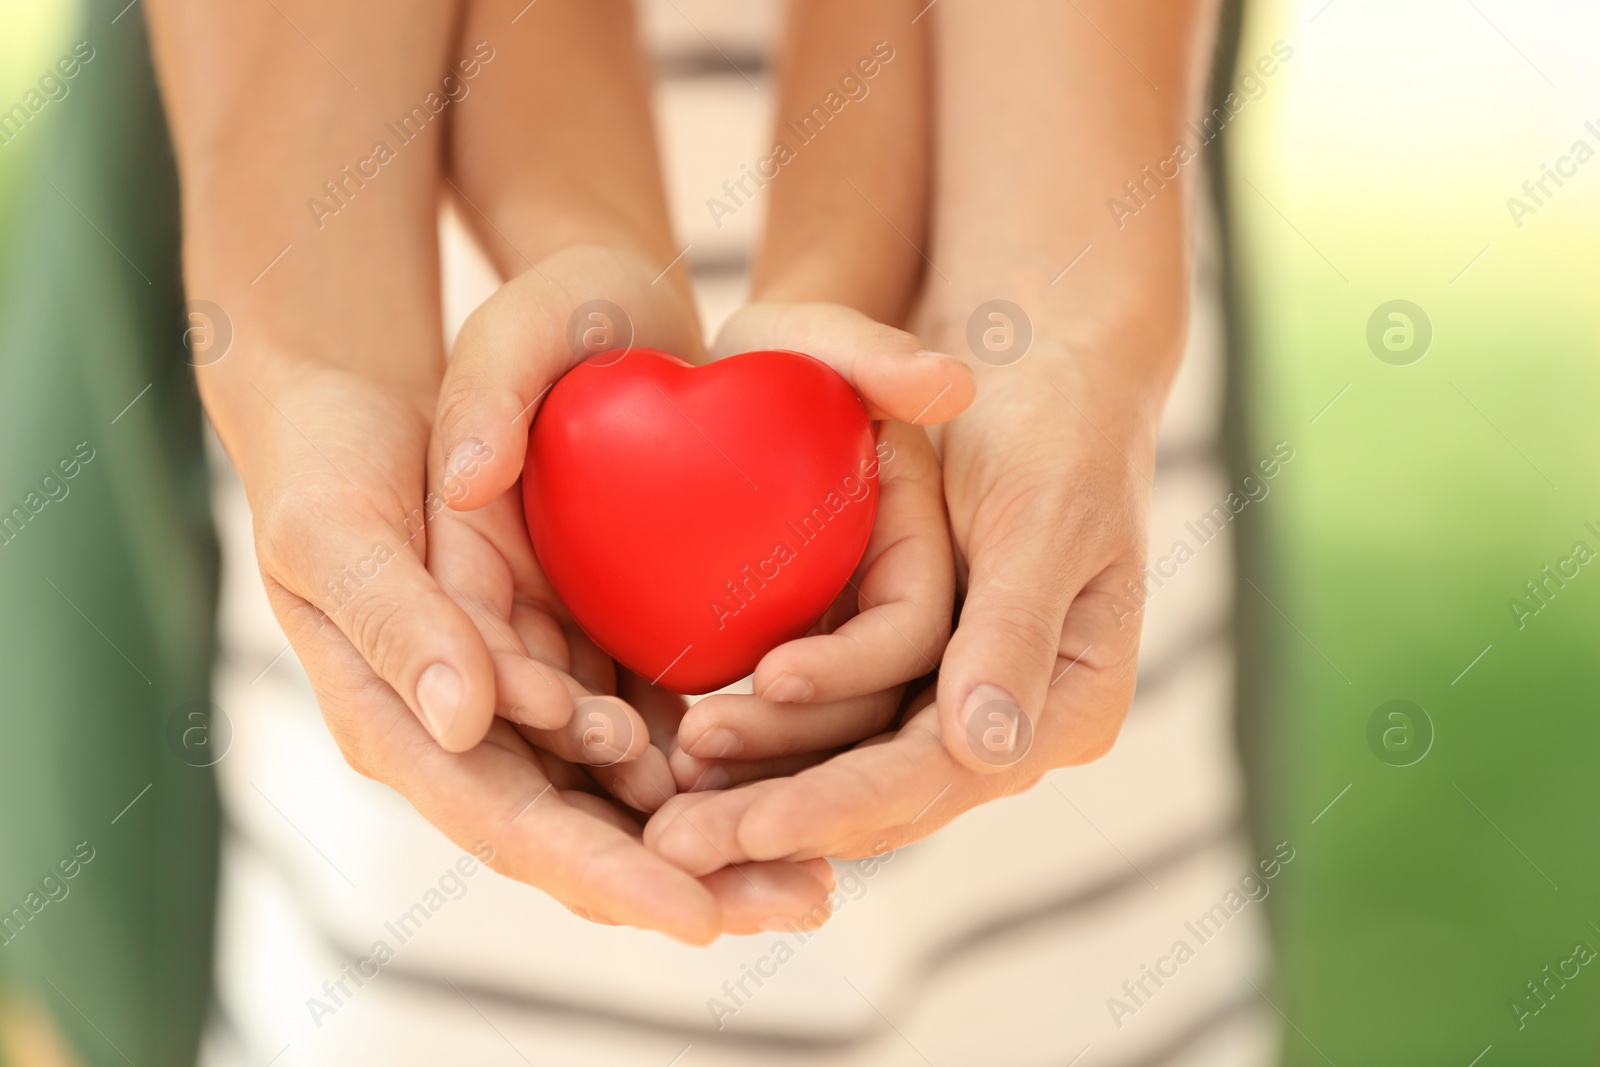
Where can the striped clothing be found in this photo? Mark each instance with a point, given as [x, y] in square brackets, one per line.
[1111, 914]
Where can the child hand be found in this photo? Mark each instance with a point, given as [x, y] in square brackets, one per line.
[563, 693]
[844, 681]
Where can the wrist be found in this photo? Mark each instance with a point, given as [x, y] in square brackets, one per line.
[1078, 360]
[1119, 361]
[1088, 394]
[356, 300]
[275, 401]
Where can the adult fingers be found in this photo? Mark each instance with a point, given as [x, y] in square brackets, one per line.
[882, 794]
[571, 305]
[494, 800]
[699, 832]
[997, 668]
[695, 775]
[772, 896]
[469, 555]
[897, 375]
[873, 797]
[318, 542]
[750, 897]
[644, 783]
[879, 794]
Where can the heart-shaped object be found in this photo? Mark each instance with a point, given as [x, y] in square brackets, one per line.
[694, 518]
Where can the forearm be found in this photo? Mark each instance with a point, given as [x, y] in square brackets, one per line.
[558, 147]
[317, 243]
[848, 202]
[1044, 113]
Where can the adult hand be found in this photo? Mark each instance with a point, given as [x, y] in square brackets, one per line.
[1047, 474]
[1053, 531]
[324, 403]
[340, 544]
[510, 352]
[1048, 483]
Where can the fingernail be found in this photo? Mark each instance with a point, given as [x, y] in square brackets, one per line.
[711, 778]
[928, 352]
[465, 454]
[719, 742]
[824, 874]
[439, 698]
[789, 689]
[620, 790]
[998, 732]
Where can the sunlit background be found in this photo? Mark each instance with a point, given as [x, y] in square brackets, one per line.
[1371, 670]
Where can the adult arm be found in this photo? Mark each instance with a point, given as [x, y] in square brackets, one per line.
[1042, 113]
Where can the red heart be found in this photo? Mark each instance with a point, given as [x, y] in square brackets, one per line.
[694, 518]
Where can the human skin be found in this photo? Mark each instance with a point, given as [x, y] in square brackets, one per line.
[848, 213]
[891, 623]
[326, 400]
[1037, 120]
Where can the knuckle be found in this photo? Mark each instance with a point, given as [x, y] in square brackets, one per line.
[357, 756]
[287, 521]
[1024, 624]
[376, 625]
[462, 403]
[1091, 733]
[795, 320]
[1093, 747]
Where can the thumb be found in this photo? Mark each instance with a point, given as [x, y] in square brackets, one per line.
[897, 375]
[366, 579]
[996, 672]
[574, 304]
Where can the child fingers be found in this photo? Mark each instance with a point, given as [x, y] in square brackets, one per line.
[744, 727]
[644, 784]
[905, 591]
[695, 775]
[897, 375]
[514, 347]
[601, 732]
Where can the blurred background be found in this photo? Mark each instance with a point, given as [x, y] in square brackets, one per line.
[1378, 681]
